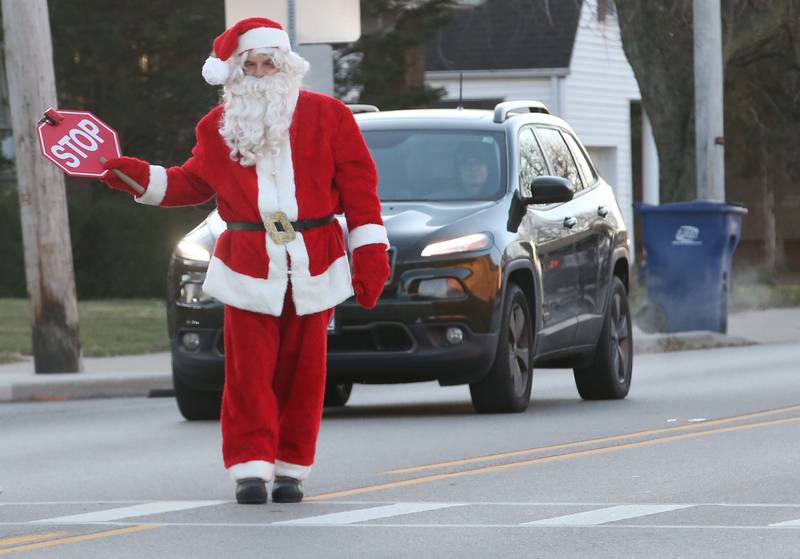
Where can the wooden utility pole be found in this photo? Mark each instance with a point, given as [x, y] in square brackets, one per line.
[42, 196]
[709, 139]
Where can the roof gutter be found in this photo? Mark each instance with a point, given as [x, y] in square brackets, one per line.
[497, 74]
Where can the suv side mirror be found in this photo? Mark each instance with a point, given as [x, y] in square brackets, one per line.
[545, 190]
[551, 190]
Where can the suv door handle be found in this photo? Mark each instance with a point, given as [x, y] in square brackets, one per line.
[570, 222]
[602, 211]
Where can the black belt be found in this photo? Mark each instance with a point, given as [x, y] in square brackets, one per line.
[302, 225]
[280, 229]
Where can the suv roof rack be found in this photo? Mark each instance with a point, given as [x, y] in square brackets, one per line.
[502, 110]
[361, 108]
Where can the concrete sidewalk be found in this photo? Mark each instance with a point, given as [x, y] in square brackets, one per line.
[102, 377]
[142, 375]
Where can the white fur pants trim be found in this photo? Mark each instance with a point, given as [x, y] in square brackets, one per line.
[254, 468]
[285, 469]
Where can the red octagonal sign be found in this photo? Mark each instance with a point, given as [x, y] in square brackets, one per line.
[76, 140]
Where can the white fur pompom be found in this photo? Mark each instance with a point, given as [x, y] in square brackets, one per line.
[215, 71]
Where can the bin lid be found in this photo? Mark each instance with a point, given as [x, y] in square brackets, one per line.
[693, 206]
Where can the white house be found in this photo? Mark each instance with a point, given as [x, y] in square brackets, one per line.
[567, 54]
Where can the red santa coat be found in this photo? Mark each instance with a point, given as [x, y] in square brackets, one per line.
[324, 168]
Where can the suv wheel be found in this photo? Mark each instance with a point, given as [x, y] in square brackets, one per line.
[507, 387]
[609, 377]
[196, 405]
[337, 394]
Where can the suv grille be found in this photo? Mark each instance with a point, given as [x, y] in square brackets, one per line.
[377, 337]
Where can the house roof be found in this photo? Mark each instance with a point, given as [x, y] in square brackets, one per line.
[507, 34]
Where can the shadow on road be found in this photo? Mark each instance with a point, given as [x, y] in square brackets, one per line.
[429, 409]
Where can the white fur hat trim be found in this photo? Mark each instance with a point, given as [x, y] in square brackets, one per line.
[215, 71]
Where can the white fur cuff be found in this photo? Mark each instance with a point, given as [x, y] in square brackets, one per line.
[254, 468]
[368, 234]
[285, 469]
[156, 188]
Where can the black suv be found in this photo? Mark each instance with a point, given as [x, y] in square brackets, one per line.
[508, 251]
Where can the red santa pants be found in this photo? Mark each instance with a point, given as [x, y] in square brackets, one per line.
[274, 389]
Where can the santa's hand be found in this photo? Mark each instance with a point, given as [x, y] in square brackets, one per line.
[370, 272]
[136, 169]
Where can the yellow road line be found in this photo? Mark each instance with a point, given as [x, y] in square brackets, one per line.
[547, 459]
[612, 438]
[75, 539]
[30, 538]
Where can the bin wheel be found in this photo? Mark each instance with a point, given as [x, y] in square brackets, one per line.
[609, 377]
[507, 386]
[651, 318]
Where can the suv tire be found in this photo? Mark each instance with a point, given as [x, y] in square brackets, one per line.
[337, 394]
[609, 377]
[507, 386]
[196, 405]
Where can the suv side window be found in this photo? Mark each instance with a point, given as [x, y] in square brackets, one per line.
[587, 173]
[557, 152]
[531, 161]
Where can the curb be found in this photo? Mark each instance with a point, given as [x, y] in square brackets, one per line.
[684, 341]
[87, 387]
[84, 386]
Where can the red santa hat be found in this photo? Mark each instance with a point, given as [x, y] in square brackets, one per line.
[247, 34]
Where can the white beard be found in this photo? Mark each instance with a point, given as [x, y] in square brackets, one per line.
[257, 115]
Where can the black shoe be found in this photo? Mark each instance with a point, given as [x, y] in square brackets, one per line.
[251, 491]
[287, 490]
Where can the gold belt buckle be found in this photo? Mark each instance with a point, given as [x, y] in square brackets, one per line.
[279, 228]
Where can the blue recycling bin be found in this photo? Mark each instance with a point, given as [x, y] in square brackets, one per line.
[689, 251]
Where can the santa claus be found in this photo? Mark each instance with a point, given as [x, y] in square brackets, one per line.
[282, 162]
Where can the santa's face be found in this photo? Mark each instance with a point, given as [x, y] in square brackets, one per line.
[259, 65]
[259, 100]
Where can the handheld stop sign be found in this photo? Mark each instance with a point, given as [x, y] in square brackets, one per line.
[79, 143]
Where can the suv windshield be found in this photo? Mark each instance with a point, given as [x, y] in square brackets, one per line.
[438, 165]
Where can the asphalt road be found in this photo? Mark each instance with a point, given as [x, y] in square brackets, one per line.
[699, 461]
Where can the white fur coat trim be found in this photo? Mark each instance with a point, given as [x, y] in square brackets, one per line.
[243, 291]
[311, 294]
[317, 293]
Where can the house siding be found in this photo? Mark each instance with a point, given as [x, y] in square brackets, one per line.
[597, 96]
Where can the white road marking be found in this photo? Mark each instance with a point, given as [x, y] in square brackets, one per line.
[362, 515]
[460, 503]
[439, 526]
[601, 516]
[128, 512]
[787, 524]
[598, 518]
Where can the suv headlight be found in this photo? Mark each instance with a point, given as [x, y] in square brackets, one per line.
[192, 251]
[467, 243]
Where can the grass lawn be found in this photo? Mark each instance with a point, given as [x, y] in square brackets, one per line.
[748, 296]
[108, 327]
